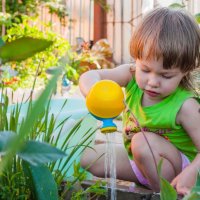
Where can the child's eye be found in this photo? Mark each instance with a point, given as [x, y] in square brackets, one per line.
[167, 77]
[145, 70]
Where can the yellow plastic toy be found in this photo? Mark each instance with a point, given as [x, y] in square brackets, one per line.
[105, 101]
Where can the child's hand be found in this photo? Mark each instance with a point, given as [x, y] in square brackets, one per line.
[184, 182]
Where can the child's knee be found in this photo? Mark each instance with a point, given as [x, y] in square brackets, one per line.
[85, 159]
[91, 161]
[139, 146]
[83, 162]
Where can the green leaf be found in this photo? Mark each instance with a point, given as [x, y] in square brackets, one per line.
[36, 153]
[30, 119]
[176, 5]
[197, 184]
[196, 187]
[166, 190]
[192, 196]
[42, 182]
[22, 48]
[2, 43]
[197, 17]
[5, 137]
[160, 166]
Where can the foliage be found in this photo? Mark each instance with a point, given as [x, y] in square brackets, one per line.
[5, 19]
[182, 6]
[168, 192]
[195, 192]
[42, 183]
[96, 190]
[42, 128]
[103, 4]
[16, 147]
[24, 149]
[26, 69]
[19, 54]
[177, 5]
[197, 17]
[19, 15]
[58, 8]
[75, 60]
[16, 10]
[86, 56]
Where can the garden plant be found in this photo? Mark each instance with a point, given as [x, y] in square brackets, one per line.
[28, 146]
[31, 164]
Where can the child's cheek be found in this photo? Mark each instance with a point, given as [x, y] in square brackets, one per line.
[140, 80]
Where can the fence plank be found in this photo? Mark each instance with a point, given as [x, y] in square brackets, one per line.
[83, 21]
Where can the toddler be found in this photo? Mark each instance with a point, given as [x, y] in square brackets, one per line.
[160, 93]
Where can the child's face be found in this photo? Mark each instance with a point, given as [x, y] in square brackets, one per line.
[157, 82]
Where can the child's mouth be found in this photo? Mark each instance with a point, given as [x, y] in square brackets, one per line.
[151, 93]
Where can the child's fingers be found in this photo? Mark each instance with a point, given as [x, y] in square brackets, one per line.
[183, 190]
[174, 182]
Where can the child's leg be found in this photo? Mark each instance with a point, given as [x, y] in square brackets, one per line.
[123, 167]
[172, 161]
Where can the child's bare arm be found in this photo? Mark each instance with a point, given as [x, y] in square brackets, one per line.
[121, 74]
[189, 118]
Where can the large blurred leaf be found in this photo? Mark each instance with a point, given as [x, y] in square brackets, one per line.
[196, 188]
[36, 152]
[22, 48]
[197, 17]
[167, 191]
[192, 196]
[195, 192]
[5, 137]
[159, 166]
[28, 123]
[42, 182]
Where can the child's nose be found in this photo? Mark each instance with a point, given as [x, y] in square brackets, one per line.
[153, 81]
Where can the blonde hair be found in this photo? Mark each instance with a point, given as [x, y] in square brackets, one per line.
[171, 34]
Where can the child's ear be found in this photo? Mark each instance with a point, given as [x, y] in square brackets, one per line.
[132, 68]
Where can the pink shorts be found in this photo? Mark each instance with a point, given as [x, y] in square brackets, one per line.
[143, 180]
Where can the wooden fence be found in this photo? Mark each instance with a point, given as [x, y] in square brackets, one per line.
[88, 20]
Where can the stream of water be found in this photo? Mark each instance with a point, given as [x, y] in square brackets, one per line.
[110, 165]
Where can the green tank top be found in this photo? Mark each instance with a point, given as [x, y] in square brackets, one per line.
[159, 118]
